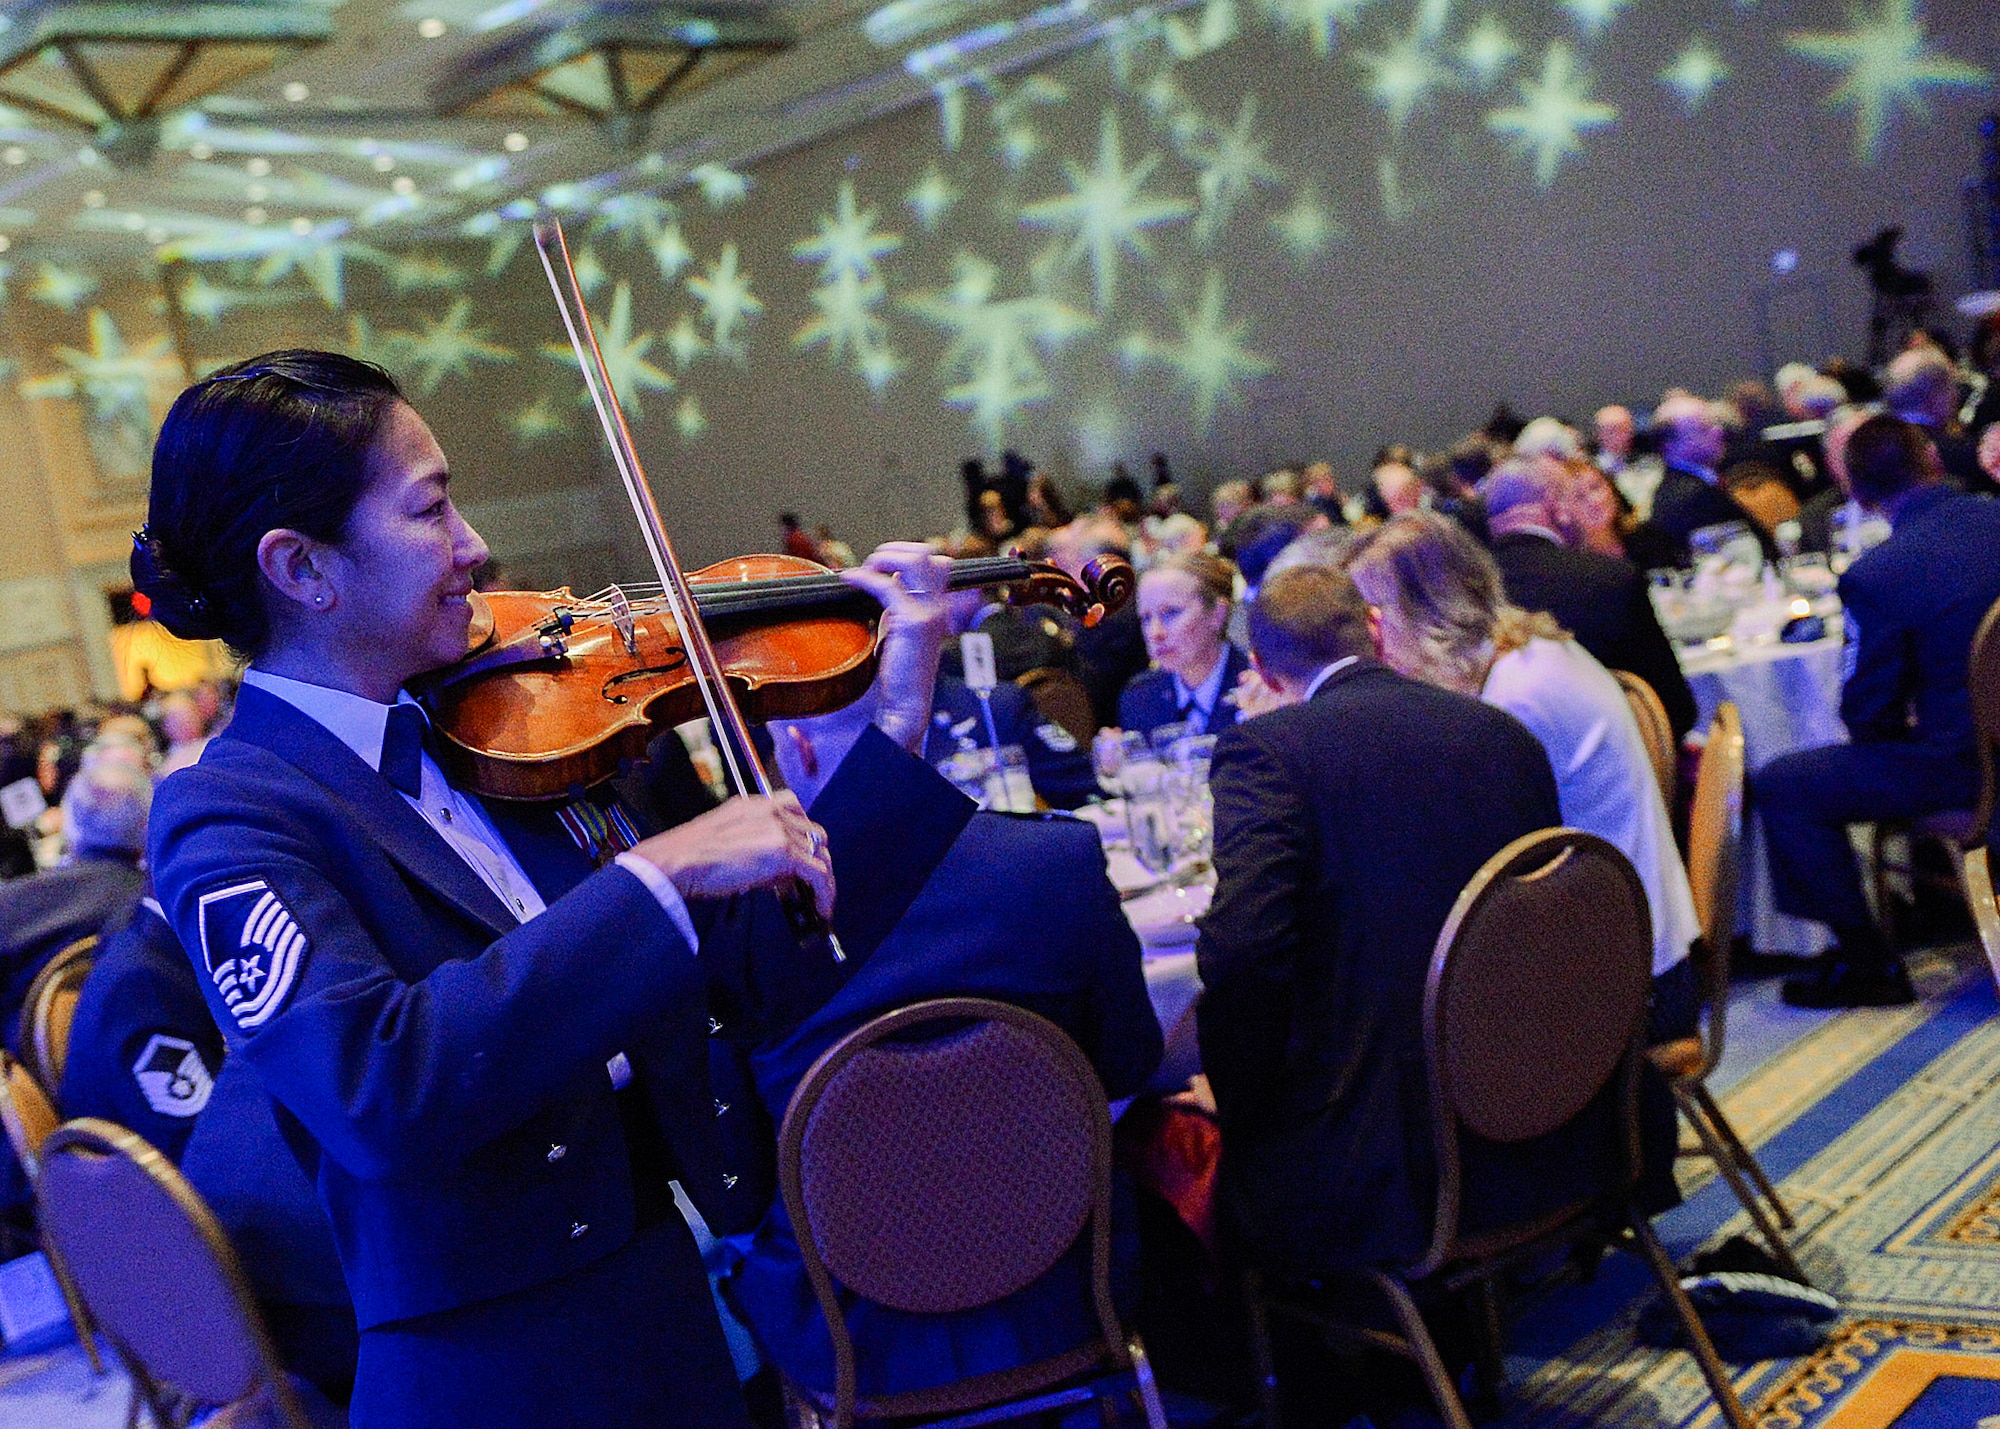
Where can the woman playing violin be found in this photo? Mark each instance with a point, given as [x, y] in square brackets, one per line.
[490, 1050]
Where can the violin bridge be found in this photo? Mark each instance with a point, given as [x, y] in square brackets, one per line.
[622, 622]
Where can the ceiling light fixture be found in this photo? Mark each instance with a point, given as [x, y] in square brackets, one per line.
[431, 29]
[5, 243]
[201, 153]
[115, 70]
[404, 185]
[302, 226]
[383, 163]
[15, 154]
[94, 199]
[254, 215]
[296, 93]
[257, 168]
[257, 193]
[514, 143]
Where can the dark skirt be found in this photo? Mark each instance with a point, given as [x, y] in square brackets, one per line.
[630, 1341]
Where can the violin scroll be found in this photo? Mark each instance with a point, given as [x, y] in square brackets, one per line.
[1106, 584]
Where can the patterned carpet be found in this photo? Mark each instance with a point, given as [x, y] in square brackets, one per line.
[1883, 1130]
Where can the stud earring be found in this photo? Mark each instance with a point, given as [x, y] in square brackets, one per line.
[319, 600]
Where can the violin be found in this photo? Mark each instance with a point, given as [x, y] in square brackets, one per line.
[556, 691]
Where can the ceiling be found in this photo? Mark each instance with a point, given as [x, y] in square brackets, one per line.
[416, 118]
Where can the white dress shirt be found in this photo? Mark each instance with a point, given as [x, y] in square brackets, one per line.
[1326, 673]
[1604, 779]
[457, 817]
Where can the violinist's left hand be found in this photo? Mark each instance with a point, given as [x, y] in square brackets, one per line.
[909, 579]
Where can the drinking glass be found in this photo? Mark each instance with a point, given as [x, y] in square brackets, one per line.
[1109, 752]
[1167, 735]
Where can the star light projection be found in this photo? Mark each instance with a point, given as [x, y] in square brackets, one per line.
[1555, 111]
[1208, 360]
[995, 360]
[848, 249]
[1107, 211]
[1888, 65]
[117, 382]
[624, 356]
[1160, 211]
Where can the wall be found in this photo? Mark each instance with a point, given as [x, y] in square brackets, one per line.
[1248, 232]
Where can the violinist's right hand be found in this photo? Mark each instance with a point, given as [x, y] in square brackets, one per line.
[747, 843]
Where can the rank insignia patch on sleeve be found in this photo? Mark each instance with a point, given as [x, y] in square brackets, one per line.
[252, 947]
[172, 1076]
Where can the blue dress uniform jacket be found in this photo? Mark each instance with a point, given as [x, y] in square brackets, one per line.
[1013, 907]
[447, 1063]
[1058, 763]
[143, 1051]
[1150, 700]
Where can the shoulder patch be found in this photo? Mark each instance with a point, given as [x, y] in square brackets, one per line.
[172, 1076]
[252, 947]
[1056, 737]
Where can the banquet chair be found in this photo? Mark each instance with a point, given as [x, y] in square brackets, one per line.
[1060, 698]
[939, 1175]
[1715, 856]
[29, 1116]
[1655, 729]
[162, 1280]
[1533, 1018]
[1983, 679]
[50, 1007]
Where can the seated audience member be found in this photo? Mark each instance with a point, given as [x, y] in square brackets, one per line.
[1690, 495]
[1111, 652]
[1058, 762]
[1001, 906]
[1228, 501]
[143, 1050]
[1632, 473]
[1322, 492]
[1346, 825]
[1549, 437]
[1595, 514]
[185, 729]
[1822, 518]
[1446, 621]
[1911, 605]
[1395, 488]
[1921, 387]
[1451, 484]
[1985, 357]
[93, 890]
[1602, 601]
[1989, 454]
[1184, 606]
[1281, 488]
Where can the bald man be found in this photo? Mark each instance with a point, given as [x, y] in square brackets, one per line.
[1691, 438]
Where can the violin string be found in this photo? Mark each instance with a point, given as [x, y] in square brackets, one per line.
[707, 678]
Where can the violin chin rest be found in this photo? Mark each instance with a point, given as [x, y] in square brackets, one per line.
[481, 632]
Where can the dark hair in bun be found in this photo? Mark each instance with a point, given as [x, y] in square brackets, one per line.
[280, 441]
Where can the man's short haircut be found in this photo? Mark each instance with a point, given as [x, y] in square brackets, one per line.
[1920, 386]
[1305, 619]
[1519, 481]
[104, 809]
[1887, 456]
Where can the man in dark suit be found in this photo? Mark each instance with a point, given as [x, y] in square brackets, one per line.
[1599, 599]
[1346, 826]
[92, 892]
[1921, 387]
[1911, 608]
[1691, 439]
[143, 1051]
[1016, 908]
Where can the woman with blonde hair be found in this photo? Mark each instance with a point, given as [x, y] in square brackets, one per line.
[1184, 605]
[1445, 620]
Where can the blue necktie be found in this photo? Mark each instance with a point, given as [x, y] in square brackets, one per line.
[403, 749]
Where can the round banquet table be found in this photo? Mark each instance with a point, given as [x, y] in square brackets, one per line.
[1789, 696]
[1164, 920]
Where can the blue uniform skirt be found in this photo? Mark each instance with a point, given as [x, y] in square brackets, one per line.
[630, 1341]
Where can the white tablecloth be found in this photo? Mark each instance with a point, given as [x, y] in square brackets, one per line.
[1163, 921]
[1789, 696]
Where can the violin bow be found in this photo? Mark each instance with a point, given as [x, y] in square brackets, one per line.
[723, 710]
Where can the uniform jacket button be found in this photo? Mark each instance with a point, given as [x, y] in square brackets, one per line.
[558, 1151]
[721, 1107]
[728, 1181]
[577, 1229]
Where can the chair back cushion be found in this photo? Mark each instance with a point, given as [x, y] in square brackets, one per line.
[159, 1281]
[943, 1174]
[50, 1007]
[1539, 980]
[28, 1114]
[1983, 676]
[1655, 729]
[1715, 830]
